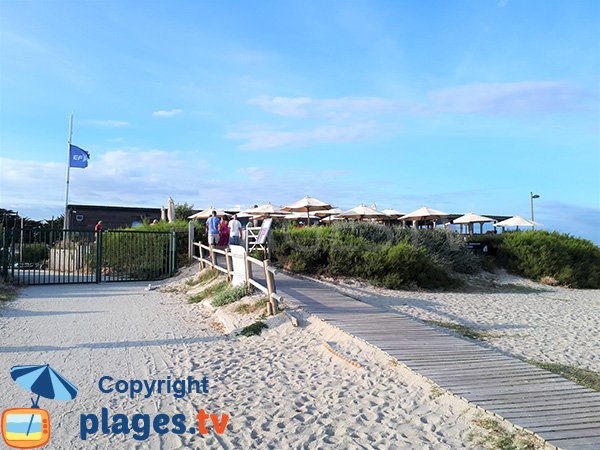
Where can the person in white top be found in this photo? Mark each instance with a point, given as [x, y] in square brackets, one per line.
[235, 231]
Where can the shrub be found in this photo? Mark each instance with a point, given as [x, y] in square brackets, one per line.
[35, 253]
[448, 249]
[229, 295]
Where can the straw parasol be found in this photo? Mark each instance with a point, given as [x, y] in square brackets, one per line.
[299, 216]
[266, 210]
[470, 218]
[171, 210]
[360, 212]
[328, 212]
[517, 221]
[306, 205]
[424, 213]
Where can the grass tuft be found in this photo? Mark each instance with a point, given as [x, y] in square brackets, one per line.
[210, 291]
[254, 330]
[498, 438]
[7, 293]
[204, 278]
[584, 377]
[249, 308]
[229, 295]
[470, 333]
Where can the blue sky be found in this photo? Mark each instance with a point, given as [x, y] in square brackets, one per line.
[457, 105]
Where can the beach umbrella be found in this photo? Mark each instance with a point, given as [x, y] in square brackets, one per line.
[171, 210]
[299, 216]
[206, 213]
[424, 213]
[43, 381]
[163, 214]
[360, 212]
[392, 213]
[470, 218]
[306, 205]
[328, 212]
[517, 221]
[266, 210]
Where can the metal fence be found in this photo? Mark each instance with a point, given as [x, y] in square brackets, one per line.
[49, 256]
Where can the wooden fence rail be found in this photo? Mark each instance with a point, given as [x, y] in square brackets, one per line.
[208, 258]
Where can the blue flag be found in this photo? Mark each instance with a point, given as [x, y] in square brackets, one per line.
[78, 157]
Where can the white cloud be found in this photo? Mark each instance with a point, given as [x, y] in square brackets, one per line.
[107, 123]
[268, 139]
[526, 97]
[167, 113]
[342, 107]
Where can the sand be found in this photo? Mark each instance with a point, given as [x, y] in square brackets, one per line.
[282, 389]
[525, 319]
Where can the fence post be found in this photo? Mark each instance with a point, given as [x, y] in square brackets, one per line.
[248, 270]
[98, 256]
[228, 264]
[191, 236]
[201, 263]
[272, 307]
[173, 249]
[212, 257]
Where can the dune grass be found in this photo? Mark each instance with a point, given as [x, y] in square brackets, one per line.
[249, 308]
[584, 377]
[494, 436]
[210, 291]
[464, 331]
[229, 295]
[204, 278]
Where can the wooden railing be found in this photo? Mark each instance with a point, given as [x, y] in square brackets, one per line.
[264, 266]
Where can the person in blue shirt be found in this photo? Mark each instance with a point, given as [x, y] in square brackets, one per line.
[212, 227]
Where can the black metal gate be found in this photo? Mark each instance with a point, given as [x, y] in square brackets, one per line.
[48, 256]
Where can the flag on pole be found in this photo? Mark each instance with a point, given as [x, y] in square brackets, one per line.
[78, 157]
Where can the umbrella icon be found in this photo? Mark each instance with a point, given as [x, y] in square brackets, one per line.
[45, 382]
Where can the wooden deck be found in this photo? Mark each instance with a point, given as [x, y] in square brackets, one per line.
[563, 413]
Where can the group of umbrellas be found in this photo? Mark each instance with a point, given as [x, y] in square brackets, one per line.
[310, 208]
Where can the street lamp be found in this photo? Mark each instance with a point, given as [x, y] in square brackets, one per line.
[531, 197]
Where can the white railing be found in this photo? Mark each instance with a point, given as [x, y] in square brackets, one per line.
[265, 267]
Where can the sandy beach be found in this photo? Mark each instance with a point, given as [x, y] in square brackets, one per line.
[521, 317]
[282, 389]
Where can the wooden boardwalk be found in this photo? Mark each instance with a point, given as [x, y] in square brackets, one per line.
[563, 413]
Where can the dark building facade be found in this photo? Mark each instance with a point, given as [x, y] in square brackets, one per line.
[85, 217]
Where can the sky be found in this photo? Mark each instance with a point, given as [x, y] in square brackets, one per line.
[457, 105]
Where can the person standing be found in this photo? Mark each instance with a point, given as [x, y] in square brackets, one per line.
[212, 227]
[98, 226]
[235, 231]
[223, 232]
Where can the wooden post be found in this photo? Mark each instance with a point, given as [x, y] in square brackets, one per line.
[272, 309]
[228, 264]
[201, 263]
[248, 270]
[190, 240]
[212, 257]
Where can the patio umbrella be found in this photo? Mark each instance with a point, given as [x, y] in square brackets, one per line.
[163, 214]
[424, 213]
[328, 212]
[306, 205]
[392, 213]
[297, 215]
[361, 212]
[265, 210]
[470, 218]
[206, 213]
[171, 210]
[517, 221]
[45, 382]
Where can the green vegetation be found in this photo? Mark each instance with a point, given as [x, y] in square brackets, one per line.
[393, 257]
[35, 253]
[538, 255]
[183, 211]
[7, 293]
[254, 330]
[204, 278]
[470, 333]
[584, 377]
[498, 438]
[229, 295]
[249, 308]
[210, 291]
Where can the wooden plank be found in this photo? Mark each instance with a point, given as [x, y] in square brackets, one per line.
[565, 427]
[565, 434]
[534, 422]
[524, 412]
[577, 444]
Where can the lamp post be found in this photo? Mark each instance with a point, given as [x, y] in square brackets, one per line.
[531, 197]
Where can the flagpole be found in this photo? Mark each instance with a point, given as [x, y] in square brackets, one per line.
[66, 219]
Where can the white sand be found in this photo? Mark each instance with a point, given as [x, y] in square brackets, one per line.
[283, 389]
[528, 320]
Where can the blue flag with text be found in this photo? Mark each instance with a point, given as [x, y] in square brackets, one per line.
[78, 157]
